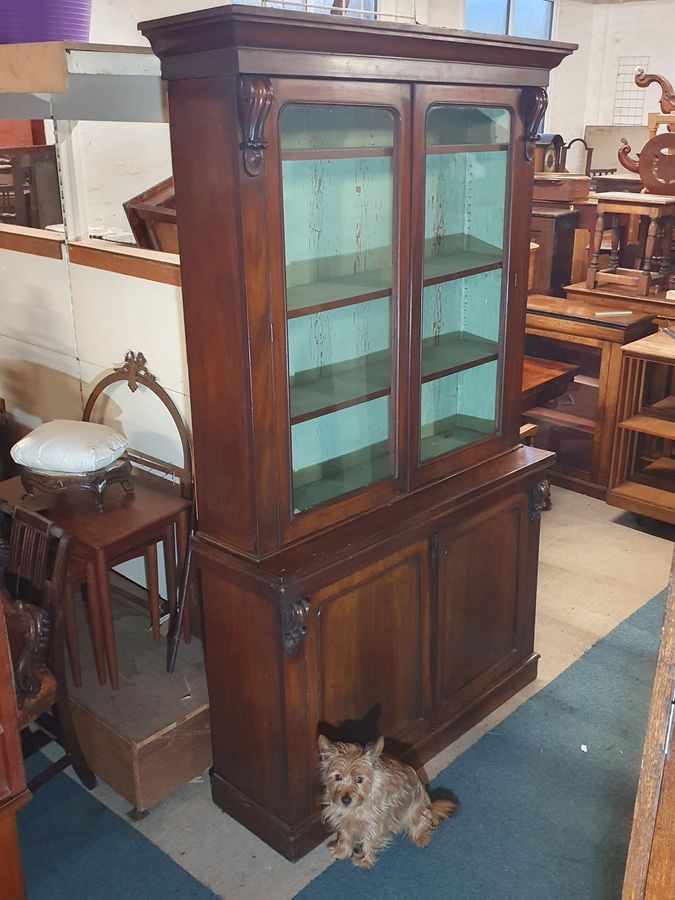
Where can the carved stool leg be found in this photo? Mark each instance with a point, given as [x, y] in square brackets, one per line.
[666, 249]
[595, 251]
[650, 246]
[616, 236]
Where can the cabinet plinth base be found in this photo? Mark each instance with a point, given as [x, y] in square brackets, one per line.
[294, 843]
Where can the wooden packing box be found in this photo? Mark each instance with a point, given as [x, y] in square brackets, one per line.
[152, 735]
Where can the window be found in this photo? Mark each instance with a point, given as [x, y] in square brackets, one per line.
[524, 18]
[364, 9]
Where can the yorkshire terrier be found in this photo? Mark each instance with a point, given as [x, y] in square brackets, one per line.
[370, 796]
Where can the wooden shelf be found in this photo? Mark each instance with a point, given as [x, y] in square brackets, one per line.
[461, 263]
[587, 381]
[643, 499]
[561, 419]
[646, 424]
[662, 409]
[433, 149]
[336, 153]
[342, 475]
[342, 384]
[454, 433]
[453, 353]
[318, 296]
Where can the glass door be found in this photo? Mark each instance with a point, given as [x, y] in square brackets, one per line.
[465, 197]
[339, 204]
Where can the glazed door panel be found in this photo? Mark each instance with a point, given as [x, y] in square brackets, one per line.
[368, 649]
[465, 142]
[481, 591]
[340, 201]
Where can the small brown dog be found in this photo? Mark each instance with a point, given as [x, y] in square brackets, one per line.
[370, 796]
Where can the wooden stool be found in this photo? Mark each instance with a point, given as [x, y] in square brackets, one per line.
[656, 214]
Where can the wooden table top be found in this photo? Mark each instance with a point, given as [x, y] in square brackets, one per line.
[586, 310]
[544, 379]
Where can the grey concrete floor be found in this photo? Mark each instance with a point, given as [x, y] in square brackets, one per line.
[596, 568]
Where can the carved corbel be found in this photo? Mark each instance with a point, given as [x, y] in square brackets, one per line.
[294, 623]
[540, 498]
[633, 165]
[255, 99]
[667, 101]
[534, 101]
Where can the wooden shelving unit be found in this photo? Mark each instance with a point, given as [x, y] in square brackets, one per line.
[642, 476]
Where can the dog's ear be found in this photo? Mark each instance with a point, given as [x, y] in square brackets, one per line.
[375, 750]
[326, 748]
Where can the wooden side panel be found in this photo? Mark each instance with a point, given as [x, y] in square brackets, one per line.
[661, 880]
[243, 669]
[482, 594]
[369, 658]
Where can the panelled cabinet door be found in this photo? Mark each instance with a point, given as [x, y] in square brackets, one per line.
[466, 153]
[368, 649]
[483, 624]
[340, 200]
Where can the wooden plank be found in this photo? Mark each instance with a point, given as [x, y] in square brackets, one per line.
[152, 265]
[644, 500]
[35, 241]
[650, 784]
[38, 68]
[564, 420]
[650, 425]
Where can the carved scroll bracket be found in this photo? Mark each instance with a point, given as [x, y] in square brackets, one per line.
[294, 623]
[667, 101]
[534, 101]
[255, 99]
[540, 498]
[135, 364]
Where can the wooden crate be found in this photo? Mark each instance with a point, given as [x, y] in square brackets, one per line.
[153, 734]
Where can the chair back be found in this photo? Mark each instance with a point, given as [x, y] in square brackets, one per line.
[35, 579]
[134, 371]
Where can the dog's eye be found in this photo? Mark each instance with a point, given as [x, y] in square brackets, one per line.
[359, 779]
[337, 776]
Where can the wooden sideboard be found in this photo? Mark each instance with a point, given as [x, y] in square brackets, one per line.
[579, 426]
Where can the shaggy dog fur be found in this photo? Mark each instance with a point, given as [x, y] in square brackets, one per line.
[370, 796]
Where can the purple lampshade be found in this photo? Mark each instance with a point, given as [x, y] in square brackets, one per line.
[27, 21]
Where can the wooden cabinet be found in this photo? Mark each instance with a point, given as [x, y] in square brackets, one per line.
[579, 425]
[553, 229]
[642, 477]
[354, 247]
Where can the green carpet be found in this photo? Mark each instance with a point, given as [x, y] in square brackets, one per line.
[540, 817]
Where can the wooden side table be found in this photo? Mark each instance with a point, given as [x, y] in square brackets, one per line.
[656, 214]
[130, 526]
[579, 426]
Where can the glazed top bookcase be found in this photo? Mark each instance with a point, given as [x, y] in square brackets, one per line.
[365, 312]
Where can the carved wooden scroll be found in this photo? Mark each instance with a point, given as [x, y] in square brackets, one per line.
[667, 101]
[534, 101]
[293, 623]
[255, 99]
[655, 163]
[135, 365]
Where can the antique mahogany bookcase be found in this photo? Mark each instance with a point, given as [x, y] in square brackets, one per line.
[353, 201]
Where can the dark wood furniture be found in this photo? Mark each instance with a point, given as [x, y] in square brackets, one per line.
[543, 380]
[553, 229]
[36, 194]
[152, 217]
[656, 304]
[579, 426]
[652, 268]
[368, 519]
[35, 578]
[651, 854]
[13, 791]
[642, 477]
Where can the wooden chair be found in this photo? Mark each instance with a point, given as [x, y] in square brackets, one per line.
[35, 576]
[130, 527]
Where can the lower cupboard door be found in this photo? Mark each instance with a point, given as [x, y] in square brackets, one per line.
[367, 650]
[485, 612]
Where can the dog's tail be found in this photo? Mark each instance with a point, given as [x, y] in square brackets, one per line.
[442, 809]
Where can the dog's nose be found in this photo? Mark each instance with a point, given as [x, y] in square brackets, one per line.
[346, 800]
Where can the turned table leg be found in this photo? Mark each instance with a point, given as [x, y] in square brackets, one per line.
[595, 253]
